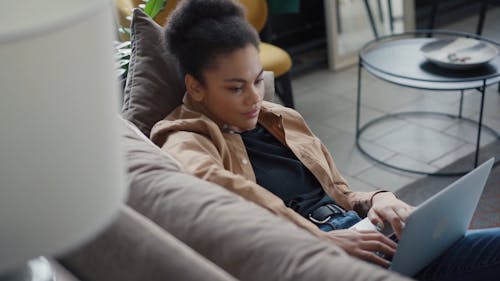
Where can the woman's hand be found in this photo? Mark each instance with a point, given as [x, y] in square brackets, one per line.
[386, 207]
[364, 244]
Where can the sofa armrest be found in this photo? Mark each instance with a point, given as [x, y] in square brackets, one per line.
[135, 249]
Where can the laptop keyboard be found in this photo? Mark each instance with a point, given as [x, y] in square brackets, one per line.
[394, 238]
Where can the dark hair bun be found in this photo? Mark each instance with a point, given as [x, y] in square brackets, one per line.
[194, 10]
[198, 31]
[191, 13]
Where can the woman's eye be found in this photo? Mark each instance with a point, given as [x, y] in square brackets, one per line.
[235, 89]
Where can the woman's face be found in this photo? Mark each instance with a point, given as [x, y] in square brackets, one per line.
[234, 88]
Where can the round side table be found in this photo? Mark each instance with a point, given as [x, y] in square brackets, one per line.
[397, 59]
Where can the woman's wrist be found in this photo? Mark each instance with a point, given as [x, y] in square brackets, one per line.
[377, 193]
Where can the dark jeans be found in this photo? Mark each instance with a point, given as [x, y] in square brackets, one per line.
[475, 257]
[344, 221]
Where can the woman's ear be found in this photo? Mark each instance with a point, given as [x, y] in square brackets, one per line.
[194, 88]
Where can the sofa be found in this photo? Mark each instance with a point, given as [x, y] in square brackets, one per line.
[175, 226]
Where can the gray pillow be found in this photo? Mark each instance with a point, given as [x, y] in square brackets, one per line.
[154, 85]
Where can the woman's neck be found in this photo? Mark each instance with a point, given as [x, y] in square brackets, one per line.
[199, 107]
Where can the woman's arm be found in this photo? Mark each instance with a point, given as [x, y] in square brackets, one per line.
[379, 206]
[358, 201]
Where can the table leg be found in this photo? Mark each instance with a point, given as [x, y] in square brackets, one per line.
[482, 16]
[337, 14]
[480, 124]
[461, 104]
[380, 12]
[358, 101]
[391, 17]
[432, 19]
[370, 17]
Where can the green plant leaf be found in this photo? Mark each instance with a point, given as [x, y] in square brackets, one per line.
[154, 7]
[123, 62]
[123, 45]
[125, 30]
[121, 72]
[123, 51]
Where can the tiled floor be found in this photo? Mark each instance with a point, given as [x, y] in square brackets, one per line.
[327, 100]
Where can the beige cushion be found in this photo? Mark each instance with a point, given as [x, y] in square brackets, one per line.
[135, 249]
[244, 239]
[154, 87]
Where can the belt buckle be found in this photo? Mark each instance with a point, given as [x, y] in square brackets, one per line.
[319, 221]
[330, 209]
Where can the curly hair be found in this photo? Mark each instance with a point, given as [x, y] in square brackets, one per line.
[198, 31]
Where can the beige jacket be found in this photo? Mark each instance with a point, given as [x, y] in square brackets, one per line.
[210, 151]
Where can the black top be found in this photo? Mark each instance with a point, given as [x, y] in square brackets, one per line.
[278, 170]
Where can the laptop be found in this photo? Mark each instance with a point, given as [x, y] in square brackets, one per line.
[436, 223]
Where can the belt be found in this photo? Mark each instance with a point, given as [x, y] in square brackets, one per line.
[324, 213]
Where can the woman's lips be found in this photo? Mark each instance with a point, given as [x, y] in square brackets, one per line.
[252, 114]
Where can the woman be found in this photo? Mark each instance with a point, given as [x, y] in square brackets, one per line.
[225, 133]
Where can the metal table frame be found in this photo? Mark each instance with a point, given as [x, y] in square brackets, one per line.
[426, 82]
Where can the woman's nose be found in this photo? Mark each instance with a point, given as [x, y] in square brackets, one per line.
[254, 95]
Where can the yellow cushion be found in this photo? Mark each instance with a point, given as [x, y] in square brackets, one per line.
[275, 59]
[256, 13]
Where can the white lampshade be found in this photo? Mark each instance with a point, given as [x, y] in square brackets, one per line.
[61, 171]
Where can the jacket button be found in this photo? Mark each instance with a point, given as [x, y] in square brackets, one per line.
[244, 161]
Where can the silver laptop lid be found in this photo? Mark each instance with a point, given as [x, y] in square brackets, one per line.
[439, 221]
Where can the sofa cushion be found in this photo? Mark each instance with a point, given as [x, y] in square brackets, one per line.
[244, 239]
[154, 86]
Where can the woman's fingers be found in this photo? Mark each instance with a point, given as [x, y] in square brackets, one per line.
[368, 245]
[373, 257]
[379, 242]
[376, 253]
[395, 215]
[376, 220]
[403, 212]
[386, 207]
[395, 221]
[399, 223]
[375, 247]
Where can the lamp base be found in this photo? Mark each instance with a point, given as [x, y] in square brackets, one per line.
[37, 269]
